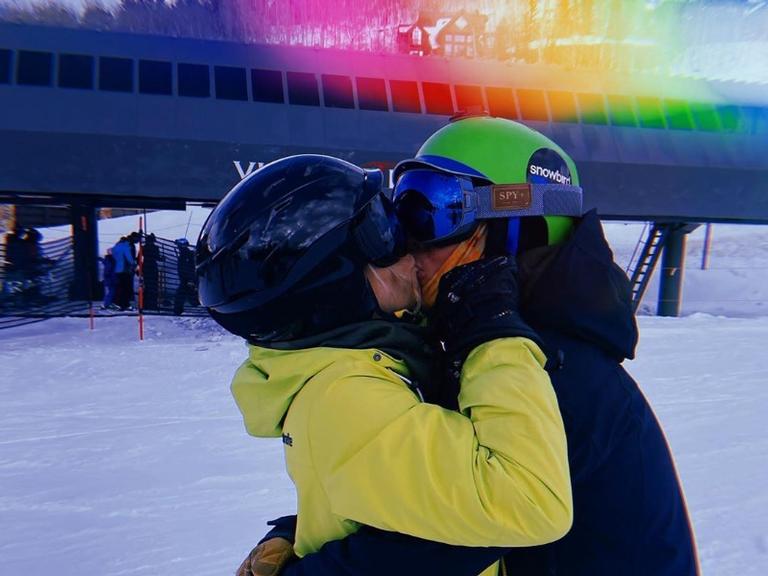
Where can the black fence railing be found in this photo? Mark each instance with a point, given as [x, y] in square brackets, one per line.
[37, 279]
[168, 277]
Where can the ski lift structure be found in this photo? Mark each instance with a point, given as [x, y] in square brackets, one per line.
[96, 119]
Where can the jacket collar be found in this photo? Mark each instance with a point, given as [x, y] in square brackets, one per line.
[577, 289]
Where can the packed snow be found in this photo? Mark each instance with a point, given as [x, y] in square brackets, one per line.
[122, 457]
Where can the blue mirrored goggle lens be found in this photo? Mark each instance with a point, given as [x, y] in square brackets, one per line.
[429, 204]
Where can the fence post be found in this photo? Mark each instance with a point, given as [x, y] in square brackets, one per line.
[707, 247]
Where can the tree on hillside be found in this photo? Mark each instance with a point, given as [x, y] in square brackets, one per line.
[95, 16]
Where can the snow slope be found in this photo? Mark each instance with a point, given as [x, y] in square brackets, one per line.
[735, 282]
[120, 457]
[126, 457]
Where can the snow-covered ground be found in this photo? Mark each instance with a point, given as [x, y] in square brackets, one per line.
[120, 457]
[735, 283]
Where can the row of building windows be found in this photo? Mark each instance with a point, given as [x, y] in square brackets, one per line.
[117, 74]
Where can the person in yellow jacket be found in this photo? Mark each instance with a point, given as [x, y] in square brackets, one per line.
[305, 260]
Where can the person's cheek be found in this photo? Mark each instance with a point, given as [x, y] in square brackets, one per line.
[421, 271]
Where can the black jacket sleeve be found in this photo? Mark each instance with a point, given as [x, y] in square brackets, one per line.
[373, 552]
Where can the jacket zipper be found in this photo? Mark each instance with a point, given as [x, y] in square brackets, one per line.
[413, 386]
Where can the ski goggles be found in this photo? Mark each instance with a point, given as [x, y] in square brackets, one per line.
[436, 207]
[378, 233]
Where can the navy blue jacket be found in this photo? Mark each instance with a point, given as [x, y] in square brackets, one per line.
[630, 518]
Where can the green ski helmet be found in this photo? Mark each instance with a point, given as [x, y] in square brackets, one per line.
[481, 167]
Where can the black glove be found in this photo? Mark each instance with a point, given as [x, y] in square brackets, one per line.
[476, 303]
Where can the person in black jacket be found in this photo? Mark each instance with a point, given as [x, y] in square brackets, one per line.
[35, 264]
[109, 279]
[185, 265]
[630, 516]
[150, 271]
[15, 261]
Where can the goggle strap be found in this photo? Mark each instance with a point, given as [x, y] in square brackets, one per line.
[514, 200]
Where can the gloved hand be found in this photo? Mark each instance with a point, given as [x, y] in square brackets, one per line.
[476, 303]
[267, 559]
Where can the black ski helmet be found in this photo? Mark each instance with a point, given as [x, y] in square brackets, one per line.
[282, 256]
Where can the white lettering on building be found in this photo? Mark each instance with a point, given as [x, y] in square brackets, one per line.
[247, 172]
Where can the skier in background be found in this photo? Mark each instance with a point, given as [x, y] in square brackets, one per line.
[185, 266]
[34, 265]
[14, 268]
[125, 265]
[109, 278]
[151, 272]
[630, 515]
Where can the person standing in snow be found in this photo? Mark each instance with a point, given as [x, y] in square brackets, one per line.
[124, 266]
[109, 278]
[151, 272]
[185, 267]
[630, 515]
[304, 259]
[15, 263]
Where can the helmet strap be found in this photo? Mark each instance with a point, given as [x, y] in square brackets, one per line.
[513, 236]
[533, 233]
[497, 240]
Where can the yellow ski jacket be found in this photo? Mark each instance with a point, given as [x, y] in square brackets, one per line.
[362, 448]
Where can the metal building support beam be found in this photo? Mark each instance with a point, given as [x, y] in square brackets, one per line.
[85, 240]
[672, 269]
